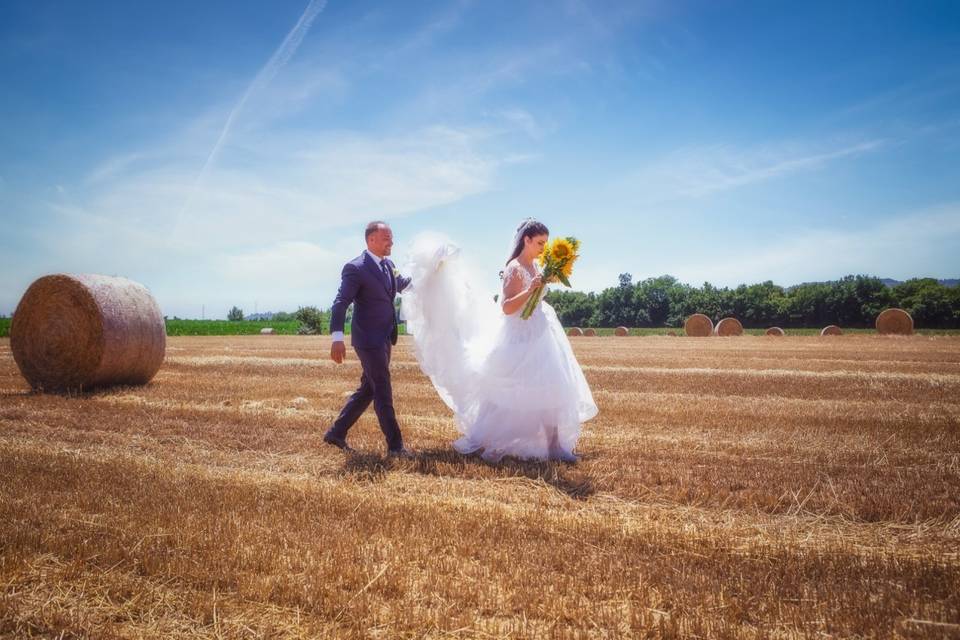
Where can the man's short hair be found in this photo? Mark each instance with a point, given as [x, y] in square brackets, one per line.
[373, 227]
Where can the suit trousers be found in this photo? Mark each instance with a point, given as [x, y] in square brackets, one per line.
[374, 386]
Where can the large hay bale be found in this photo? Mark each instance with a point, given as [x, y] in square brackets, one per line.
[575, 331]
[775, 331]
[728, 327]
[895, 322]
[267, 331]
[698, 326]
[621, 331]
[590, 333]
[831, 330]
[75, 332]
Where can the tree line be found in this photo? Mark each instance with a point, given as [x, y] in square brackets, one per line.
[312, 320]
[852, 301]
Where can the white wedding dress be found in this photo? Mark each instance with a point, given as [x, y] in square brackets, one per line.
[514, 385]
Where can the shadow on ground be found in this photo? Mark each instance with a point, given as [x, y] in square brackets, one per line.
[565, 478]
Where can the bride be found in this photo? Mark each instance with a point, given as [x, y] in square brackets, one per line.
[514, 385]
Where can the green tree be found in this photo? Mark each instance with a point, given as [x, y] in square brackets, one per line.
[930, 303]
[617, 306]
[808, 306]
[953, 295]
[235, 314]
[705, 300]
[874, 296]
[759, 305]
[855, 301]
[311, 321]
[662, 301]
[574, 308]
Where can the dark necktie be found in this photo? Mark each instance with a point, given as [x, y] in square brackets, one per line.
[386, 274]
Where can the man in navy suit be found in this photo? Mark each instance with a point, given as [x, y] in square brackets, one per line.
[370, 282]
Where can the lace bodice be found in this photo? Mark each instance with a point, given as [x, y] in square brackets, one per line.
[513, 271]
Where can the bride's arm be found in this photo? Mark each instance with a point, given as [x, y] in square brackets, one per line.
[514, 293]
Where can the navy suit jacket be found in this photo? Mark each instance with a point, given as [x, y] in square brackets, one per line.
[374, 317]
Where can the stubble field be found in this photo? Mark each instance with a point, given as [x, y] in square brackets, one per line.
[747, 487]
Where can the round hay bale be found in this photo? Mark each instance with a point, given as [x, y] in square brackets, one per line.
[775, 331]
[698, 326]
[728, 327]
[76, 332]
[267, 331]
[575, 331]
[590, 333]
[621, 331]
[831, 330]
[895, 322]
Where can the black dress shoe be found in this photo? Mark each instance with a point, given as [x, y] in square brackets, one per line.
[337, 442]
[402, 452]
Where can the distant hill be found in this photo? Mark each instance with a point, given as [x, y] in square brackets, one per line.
[947, 282]
[890, 282]
[268, 315]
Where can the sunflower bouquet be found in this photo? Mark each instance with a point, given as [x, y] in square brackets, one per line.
[557, 264]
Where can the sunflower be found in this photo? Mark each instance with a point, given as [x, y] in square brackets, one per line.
[567, 268]
[562, 249]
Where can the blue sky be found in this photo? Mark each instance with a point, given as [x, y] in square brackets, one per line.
[227, 153]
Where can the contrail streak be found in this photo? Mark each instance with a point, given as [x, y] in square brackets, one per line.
[279, 58]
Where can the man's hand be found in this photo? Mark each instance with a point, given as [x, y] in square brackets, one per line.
[338, 351]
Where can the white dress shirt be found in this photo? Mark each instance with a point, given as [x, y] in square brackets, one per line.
[338, 335]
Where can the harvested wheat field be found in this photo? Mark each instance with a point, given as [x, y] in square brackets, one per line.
[736, 488]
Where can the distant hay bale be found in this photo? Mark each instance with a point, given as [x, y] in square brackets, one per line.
[590, 333]
[76, 332]
[267, 331]
[575, 331]
[831, 330]
[728, 327]
[621, 331]
[698, 326]
[775, 331]
[895, 322]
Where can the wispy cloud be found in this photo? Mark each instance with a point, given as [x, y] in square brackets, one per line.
[303, 184]
[438, 25]
[695, 172]
[112, 166]
[279, 58]
[523, 120]
[907, 97]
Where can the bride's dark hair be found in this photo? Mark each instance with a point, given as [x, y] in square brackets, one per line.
[529, 228]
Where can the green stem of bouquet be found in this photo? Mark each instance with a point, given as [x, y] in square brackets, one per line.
[532, 302]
